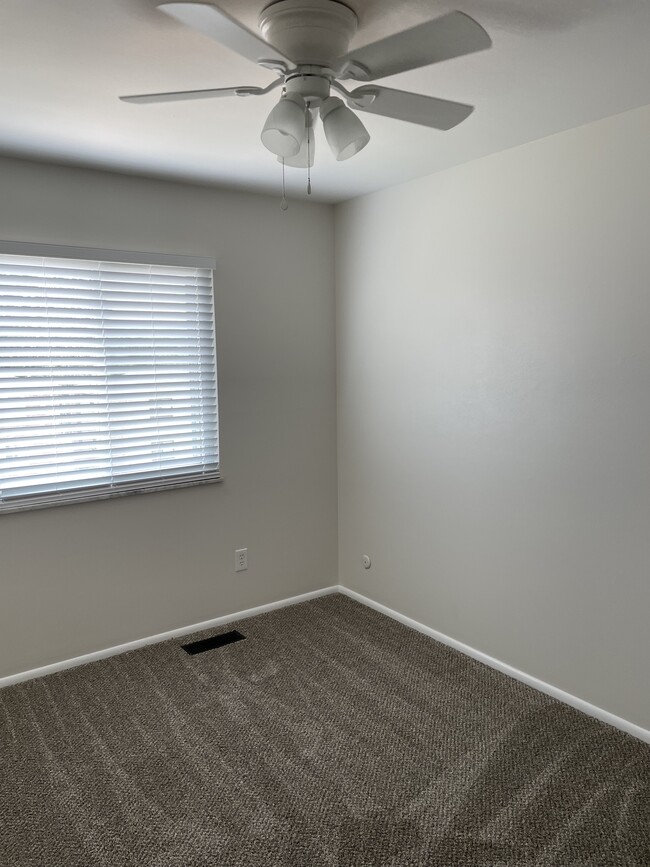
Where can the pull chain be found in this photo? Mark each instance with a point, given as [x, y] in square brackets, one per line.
[308, 150]
[284, 205]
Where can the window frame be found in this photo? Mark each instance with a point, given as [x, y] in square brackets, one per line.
[92, 493]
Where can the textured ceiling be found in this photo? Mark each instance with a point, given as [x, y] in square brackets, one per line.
[555, 64]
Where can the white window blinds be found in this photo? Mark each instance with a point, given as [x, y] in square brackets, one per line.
[107, 379]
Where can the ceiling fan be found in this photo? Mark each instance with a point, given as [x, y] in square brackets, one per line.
[305, 42]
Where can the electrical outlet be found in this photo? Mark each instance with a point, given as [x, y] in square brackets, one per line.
[241, 559]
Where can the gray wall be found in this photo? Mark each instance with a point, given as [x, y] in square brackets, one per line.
[494, 406]
[80, 578]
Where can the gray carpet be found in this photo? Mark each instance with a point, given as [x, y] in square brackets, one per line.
[331, 736]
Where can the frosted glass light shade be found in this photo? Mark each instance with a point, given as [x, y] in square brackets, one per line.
[305, 157]
[345, 133]
[284, 129]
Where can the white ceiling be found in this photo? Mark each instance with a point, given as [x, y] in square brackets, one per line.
[555, 64]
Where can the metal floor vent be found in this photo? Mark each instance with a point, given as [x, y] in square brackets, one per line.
[210, 643]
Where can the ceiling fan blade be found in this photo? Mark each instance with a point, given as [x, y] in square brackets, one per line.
[179, 95]
[213, 22]
[451, 35]
[411, 107]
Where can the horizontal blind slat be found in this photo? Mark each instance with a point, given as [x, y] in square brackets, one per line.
[106, 461]
[125, 414]
[152, 433]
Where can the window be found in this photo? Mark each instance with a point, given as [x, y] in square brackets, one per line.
[107, 375]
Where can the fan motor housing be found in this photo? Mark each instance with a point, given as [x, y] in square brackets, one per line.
[311, 82]
[315, 32]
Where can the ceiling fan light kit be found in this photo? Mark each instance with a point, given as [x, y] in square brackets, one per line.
[284, 130]
[306, 43]
[345, 133]
[304, 159]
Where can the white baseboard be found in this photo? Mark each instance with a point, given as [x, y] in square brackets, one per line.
[566, 697]
[547, 688]
[162, 636]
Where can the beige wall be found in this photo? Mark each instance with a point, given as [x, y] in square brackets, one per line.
[81, 578]
[494, 406]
